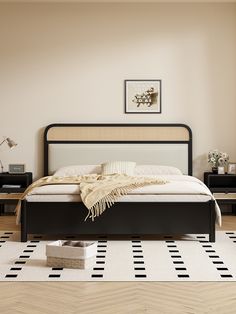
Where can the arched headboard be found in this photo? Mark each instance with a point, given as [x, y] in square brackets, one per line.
[70, 144]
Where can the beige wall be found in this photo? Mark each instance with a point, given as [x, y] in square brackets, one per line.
[67, 63]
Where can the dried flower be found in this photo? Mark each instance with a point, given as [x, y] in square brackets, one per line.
[217, 158]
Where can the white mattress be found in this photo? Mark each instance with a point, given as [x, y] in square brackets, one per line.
[126, 198]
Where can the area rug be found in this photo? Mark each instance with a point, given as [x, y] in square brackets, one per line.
[192, 258]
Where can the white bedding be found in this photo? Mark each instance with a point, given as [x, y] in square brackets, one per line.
[179, 187]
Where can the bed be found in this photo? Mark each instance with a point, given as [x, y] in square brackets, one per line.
[91, 144]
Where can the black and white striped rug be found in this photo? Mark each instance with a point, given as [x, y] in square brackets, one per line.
[190, 259]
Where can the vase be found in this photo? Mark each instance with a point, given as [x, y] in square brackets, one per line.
[214, 170]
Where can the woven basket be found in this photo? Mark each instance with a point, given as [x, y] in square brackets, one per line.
[70, 262]
[71, 254]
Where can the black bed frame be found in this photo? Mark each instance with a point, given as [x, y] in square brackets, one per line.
[123, 218]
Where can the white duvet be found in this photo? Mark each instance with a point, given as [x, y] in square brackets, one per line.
[177, 185]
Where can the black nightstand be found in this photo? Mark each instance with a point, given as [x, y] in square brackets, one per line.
[223, 187]
[15, 186]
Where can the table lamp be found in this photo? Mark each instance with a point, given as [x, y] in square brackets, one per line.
[10, 144]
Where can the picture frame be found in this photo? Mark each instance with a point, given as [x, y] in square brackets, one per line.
[232, 168]
[221, 170]
[143, 96]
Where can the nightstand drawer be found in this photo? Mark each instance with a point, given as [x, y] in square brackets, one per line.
[14, 183]
[220, 181]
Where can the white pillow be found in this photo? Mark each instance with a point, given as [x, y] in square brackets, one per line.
[77, 170]
[126, 167]
[156, 170]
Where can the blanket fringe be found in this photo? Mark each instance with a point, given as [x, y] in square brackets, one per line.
[107, 201]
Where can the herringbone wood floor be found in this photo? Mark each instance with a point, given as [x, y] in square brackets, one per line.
[117, 298]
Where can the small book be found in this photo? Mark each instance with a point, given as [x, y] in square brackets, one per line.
[11, 186]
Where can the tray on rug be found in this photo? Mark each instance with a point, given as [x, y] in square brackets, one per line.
[191, 258]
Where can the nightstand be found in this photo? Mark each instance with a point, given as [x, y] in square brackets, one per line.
[223, 187]
[12, 186]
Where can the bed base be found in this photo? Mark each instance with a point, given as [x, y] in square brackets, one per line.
[169, 218]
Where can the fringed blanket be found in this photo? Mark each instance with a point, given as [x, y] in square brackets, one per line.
[97, 191]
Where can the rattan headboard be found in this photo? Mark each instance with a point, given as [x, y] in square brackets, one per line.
[136, 136]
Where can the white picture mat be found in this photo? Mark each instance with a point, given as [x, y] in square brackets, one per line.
[61, 155]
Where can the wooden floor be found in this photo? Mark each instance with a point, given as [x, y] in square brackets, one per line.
[116, 297]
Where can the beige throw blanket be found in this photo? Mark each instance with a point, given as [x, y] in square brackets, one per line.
[97, 191]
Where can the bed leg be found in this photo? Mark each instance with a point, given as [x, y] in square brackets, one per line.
[212, 237]
[212, 222]
[23, 222]
[24, 237]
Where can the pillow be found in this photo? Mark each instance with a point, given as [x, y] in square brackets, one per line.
[156, 170]
[126, 167]
[77, 170]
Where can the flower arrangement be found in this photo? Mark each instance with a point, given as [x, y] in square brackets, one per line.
[217, 158]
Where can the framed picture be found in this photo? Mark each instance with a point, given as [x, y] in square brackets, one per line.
[232, 168]
[142, 96]
[221, 170]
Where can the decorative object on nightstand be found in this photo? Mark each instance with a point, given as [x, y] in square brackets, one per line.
[12, 186]
[217, 159]
[16, 168]
[232, 168]
[10, 144]
[221, 170]
[223, 187]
